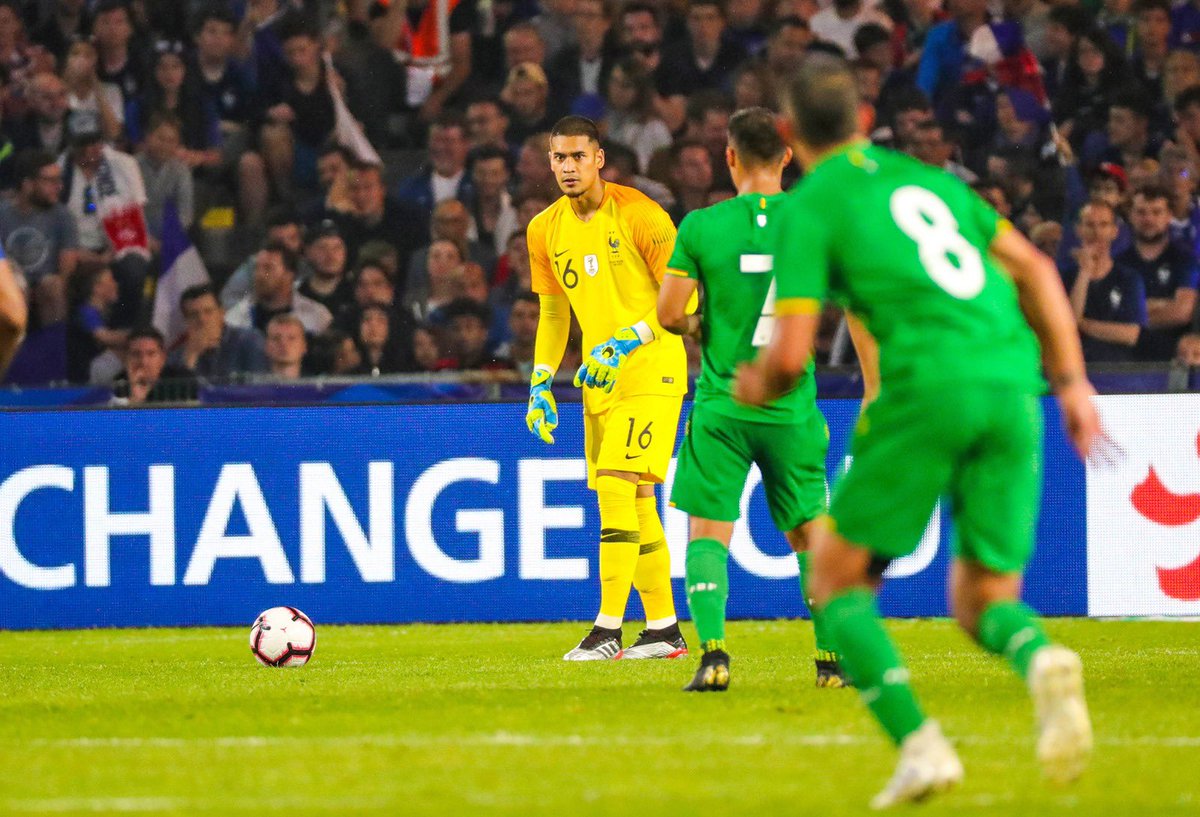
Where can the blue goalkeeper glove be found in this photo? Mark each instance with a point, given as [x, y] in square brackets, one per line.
[542, 417]
[603, 363]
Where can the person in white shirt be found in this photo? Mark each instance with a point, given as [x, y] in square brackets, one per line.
[837, 23]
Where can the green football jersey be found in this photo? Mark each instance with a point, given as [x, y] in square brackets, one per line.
[727, 248]
[905, 247]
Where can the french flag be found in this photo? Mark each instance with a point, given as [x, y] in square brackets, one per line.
[181, 267]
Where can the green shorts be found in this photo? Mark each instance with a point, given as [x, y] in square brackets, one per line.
[716, 456]
[978, 446]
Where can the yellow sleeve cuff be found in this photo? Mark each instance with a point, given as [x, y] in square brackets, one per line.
[797, 306]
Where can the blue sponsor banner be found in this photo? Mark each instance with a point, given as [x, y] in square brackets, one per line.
[160, 517]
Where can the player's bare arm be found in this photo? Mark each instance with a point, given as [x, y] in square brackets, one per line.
[1046, 309]
[13, 315]
[780, 365]
[868, 357]
[677, 293]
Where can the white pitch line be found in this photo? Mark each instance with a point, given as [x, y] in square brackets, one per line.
[509, 739]
[101, 805]
[514, 739]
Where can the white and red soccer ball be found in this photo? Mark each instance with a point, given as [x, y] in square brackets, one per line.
[283, 637]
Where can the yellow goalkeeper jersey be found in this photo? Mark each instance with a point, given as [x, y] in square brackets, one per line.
[610, 269]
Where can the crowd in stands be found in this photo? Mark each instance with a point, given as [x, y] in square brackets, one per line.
[128, 124]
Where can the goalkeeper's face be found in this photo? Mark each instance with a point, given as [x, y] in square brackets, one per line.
[576, 162]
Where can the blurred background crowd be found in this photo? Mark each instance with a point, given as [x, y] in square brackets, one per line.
[219, 191]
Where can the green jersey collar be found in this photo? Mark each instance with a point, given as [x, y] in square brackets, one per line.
[857, 146]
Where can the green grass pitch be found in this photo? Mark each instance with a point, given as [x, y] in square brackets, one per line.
[467, 719]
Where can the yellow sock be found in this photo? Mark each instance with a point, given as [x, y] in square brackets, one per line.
[653, 575]
[619, 538]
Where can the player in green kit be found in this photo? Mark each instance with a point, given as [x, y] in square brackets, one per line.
[726, 249]
[949, 292]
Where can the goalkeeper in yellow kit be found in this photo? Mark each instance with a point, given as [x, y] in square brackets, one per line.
[602, 250]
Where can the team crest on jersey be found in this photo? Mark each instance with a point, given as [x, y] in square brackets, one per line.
[591, 265]
[614, 249]
[1164, 274]
[1114, 298]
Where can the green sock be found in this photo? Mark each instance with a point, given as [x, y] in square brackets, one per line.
[1011, 629]
[824, 638]
[707, 582]
[870, 659]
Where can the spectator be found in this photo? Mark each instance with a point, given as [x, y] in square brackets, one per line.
[746, 25]
[1095, 71]
[1107, 297]
[45, 126]
[492, 208]
[631, 114]
[328, 284]
[165, 175]
[372, 285]
[556, 25]
[1021, 121]
[1153, 36]
[106, 194]
[582, 68]
[911, 29]
[1185, 25]
[692, 177]
[1181, 72]
[930, 145]
[333, 179]
[427, 351]
[376, 216]
[444, 259]
[300, 116]
[754, 86]
[67, 23]
[335, 353]
[704, 60]
[211, 348]
[383, 351]
[1063, 27]
[119, 64]
[94, 292]
[1047, 237]
[786, 48]
[487, 124]
[260, 40]
[467, 323]
[838, 23]
[526, 93]
[283, 228]
[445, 176]
[873, 45]
[621, 167]
[147, 378]
[523, 43]
[522, 326]
[286, 347]
[171, 90]
[39, 235]
[85, 91]
[534, 176]
[945, 52]
[452, 221]
[1034, 17]
[226, 88]
[275, 294]
[640, 34]
[1127, 139]
[436, 70]
[1168, 273]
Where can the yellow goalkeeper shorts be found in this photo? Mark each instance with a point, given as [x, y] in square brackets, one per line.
[636, 434]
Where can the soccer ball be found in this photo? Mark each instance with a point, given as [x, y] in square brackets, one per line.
[283, 637]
